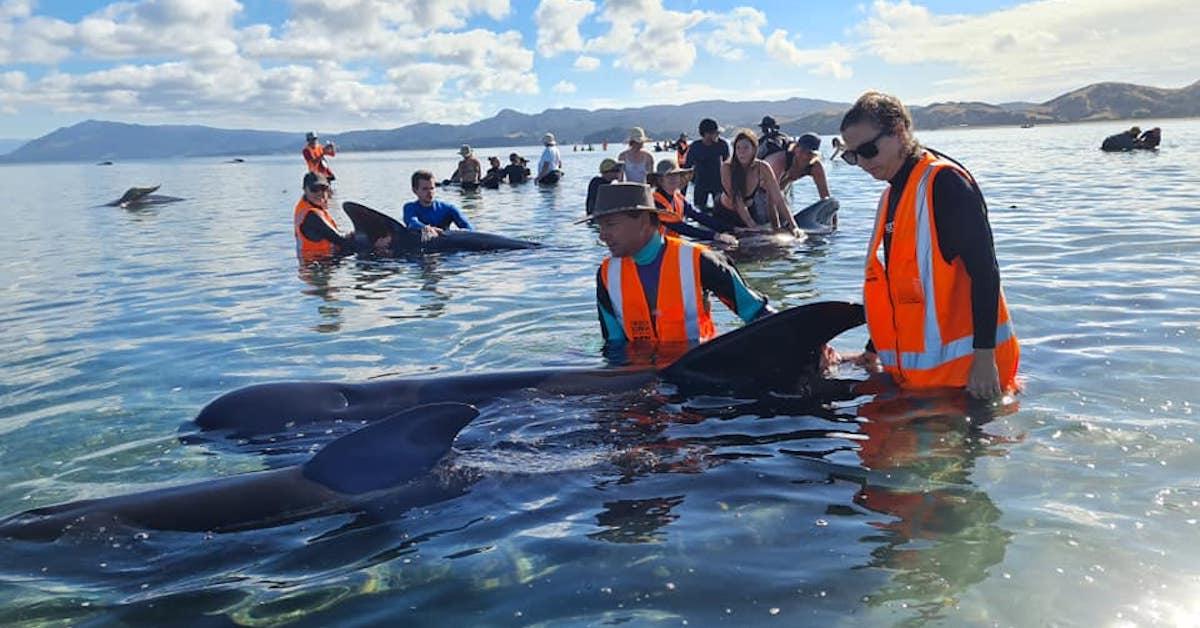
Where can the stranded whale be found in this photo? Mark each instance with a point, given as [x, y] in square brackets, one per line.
[371, 225]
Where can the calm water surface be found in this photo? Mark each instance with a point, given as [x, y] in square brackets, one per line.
[1078, 508]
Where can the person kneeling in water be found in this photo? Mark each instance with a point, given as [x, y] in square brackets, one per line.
[752, 196]
[668, 180]
[654, 289]
[427, 215]
[316, 232]
[806, 162]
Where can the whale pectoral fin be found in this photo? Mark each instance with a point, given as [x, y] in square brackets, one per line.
[768, 355]
[391, 451]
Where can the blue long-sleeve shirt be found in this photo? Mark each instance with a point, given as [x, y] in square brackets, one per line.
[717, 275]
[440, 214]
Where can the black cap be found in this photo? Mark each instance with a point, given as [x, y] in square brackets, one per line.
[708, 125]
[311, 179]
[811, 141]
[768, 123]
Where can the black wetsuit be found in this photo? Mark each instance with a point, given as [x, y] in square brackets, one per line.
[516, 173]
[317, 230]
[960, 215]
[706, 159]
[593, 190]
[714, 225]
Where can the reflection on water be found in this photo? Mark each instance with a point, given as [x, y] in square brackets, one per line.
[941, 535]
[636, 509]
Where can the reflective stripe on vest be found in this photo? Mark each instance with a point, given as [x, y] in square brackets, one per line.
[697, 324]
[889, 302]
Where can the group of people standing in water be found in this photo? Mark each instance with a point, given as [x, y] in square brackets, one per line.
[934, 306]
[935, 310]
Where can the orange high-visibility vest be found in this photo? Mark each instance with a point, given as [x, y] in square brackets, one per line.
[918, 306]
[681, 152]
[681, 312]
[314, 156]
[305, 248]
[674, 205]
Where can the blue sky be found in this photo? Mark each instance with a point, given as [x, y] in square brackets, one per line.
[335, 65]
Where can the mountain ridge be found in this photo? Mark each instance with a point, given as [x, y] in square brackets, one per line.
[94, 140]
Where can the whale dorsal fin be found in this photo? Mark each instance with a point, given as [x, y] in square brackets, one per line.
[390, 451]
[770, 354]
[374, 224]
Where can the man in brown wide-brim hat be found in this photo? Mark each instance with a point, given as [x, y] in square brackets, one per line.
[653, 288]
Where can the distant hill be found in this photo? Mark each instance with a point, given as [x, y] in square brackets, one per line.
[7, 145]
[95, 140]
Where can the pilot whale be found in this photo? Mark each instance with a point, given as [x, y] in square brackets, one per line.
[371, 225]
[142, 197]
[411, 424]
[820, 218]
[777, 356]
[388, 460]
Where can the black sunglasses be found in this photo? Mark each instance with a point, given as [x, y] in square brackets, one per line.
[866, 150]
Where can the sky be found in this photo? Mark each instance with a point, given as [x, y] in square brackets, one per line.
[337, 65]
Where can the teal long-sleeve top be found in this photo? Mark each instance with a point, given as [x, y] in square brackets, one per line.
[718, 276]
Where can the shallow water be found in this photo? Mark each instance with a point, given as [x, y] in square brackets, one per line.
[1079, 507]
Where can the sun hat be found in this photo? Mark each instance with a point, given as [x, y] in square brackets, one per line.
[623, 196]
[315, 178]
[548, 139]
[464, 150]
[768, 123]
[668, 166]
[310, 136]
[637, 134]
[609, 164]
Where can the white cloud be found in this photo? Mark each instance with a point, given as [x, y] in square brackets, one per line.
[558, 25]
[378, 60]
[564, 87]
[1041, 47]
[647, 37]
[741, 27]
[585, 63]
[832, 60]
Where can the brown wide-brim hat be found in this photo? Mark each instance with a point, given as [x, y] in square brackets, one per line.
[623, 196]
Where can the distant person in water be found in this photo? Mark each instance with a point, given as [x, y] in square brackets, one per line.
[774, 147]
[1150, 139]
[517, 169]
[751, 192]
[806, 162]
[315, 154]
[550, 159]
[638, 161]
[668, 180]
[469, 169]
[610, 172]
[642, 295]
[494, 174]
[316, 232]
[427, 214]
[1125, 140]
[705, 157]
[935, 311]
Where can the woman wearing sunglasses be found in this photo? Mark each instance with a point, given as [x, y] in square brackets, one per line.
[935, 311]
